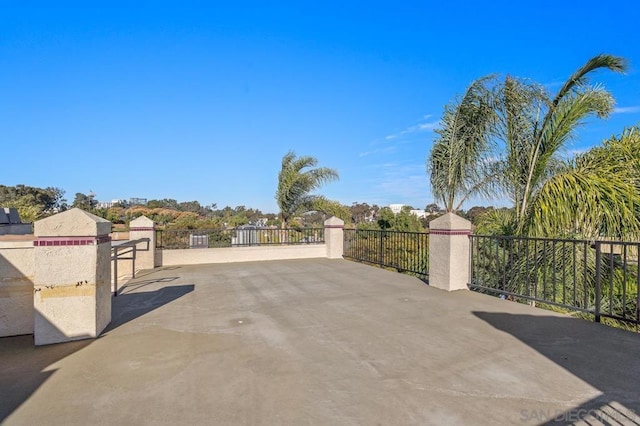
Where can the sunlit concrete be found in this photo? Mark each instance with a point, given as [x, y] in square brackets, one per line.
[319, 342]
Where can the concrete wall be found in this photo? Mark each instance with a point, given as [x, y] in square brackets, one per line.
[72, 283]
[334, 237]
[144, 228]
[17, 270]
[239, 254]
[119, 236]
[332, 249]
[125, 269]
[449, 252]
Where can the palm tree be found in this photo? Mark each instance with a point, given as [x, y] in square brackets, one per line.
[456, 162]
[534, 128]
[298, 177]
[594, 194]
[516, 150]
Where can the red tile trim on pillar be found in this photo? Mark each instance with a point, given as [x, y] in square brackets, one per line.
[142, 228]
[449, 232]
[71, 241]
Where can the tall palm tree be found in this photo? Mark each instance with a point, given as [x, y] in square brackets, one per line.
[297, 179]
[534, 128]
[520, 145]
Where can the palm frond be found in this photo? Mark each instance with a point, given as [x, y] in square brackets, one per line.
[571, 105]
[496, 222]
[569, 114]
[589, 200]
[518, 105]
[579, 77]
[462, 142]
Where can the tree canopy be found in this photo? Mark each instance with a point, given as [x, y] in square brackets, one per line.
[506, 137]
[32, 203]
[297, 180]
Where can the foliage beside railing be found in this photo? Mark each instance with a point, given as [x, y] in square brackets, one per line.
[213, 238]
[404, 251]
[596, 278]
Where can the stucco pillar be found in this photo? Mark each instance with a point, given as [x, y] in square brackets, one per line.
[449, 252]
[143, 227]
[334, 237]
[72, 283]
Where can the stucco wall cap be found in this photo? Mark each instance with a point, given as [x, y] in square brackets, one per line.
[334, 221]
[141, 222]
[450, 221]
[71, 223]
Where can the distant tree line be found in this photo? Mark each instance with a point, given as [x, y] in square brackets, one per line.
[34, 203]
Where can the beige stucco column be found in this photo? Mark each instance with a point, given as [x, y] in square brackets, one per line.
[449, 252]
[334, 237]
[143, 227]
[16, 287]
[72, 283]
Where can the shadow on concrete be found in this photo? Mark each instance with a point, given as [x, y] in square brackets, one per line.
[133, 286]
[22, 364]
[604, 357]
[147, 272]
[129, 306]
[23, 368]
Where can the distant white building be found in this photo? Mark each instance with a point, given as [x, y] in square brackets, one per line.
[420, 213]
[396, 208]
[109, 204]
[137, 201]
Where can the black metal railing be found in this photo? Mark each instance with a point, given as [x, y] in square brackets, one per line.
[247, 236]
[404, 251]
[597, 278]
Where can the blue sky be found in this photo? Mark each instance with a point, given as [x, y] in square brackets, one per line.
[201, 102]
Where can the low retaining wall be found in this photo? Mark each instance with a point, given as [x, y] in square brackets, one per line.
[17, 271]
[125, 270]
[239, 254]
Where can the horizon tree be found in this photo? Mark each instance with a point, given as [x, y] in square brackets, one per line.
[85, 202]
[33, 203]
[297, 179]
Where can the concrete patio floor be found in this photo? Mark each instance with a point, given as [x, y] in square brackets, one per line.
[320, 342]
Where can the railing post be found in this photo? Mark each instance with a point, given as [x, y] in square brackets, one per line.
[334, 237]
[449, 252]
[470, 260]
[159, 238]
[114, 259]
[143, 227]
[598, 288]
[133, 262]
[72, 283]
